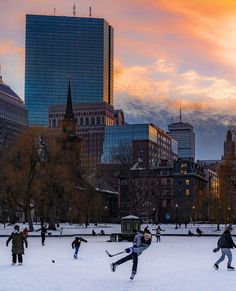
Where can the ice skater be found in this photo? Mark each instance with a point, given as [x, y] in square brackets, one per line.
[141, 243]
[76, 245]
[225, 243]
[18, 241]
[43, 234]
[158, 232]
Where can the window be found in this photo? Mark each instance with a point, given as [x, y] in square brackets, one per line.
[187, 192]
[81, 121]
[187, 181]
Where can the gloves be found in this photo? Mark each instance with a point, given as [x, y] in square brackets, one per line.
[216, 250]
[129, 250]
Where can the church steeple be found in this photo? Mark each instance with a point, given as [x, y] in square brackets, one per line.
[69, 108]
[69, 121]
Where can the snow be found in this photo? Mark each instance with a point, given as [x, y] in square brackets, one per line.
[174, 264]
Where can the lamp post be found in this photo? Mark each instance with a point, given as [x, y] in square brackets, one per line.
[154, 215]
[193, 215]
[70, 214]
[106, 210]
[229, 218]
[176, 216]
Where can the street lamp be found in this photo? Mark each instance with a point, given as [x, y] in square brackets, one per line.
[229, 208]
[154, 215]
[176, 215]
[193, 218]
[70, 215]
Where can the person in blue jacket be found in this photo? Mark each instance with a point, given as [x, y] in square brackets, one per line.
[141, 243]
[225, 243]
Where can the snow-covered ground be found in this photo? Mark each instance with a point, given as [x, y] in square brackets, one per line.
[175, 264]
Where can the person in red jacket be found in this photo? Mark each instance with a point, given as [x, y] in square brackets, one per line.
[25, 232]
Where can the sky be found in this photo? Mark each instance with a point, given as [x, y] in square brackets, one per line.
[176, 263]
[167, 54]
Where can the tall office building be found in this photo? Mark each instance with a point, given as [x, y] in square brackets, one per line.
[59, 48]
[184, 135]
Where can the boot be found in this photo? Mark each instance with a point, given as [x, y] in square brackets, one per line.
[215, 266]
[113, 267]
[230, 268]
[132, 275]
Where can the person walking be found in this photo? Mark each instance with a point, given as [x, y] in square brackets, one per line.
[141, 243]
[76, 245]
[225, 243]
[18, 241]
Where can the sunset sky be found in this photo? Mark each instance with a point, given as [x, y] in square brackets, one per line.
[167, 54]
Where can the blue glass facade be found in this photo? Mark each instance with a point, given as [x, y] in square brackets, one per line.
[59, 48]
[118, 140]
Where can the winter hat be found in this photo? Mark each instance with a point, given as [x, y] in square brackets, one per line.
[229, 227]
[16, 227]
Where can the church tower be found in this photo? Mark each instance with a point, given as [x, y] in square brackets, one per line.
[69, 121]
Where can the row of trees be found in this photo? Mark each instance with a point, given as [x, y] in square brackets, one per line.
[41, 174]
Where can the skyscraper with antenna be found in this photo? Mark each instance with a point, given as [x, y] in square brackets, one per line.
[62, 47]
[184, 135]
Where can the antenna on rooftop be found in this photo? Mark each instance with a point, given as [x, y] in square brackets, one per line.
[180, 114]
[74, 9]
[54, 11]
[1, 74]
[90, 11]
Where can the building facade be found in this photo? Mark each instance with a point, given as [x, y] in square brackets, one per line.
[141, 144]
[92, 118]
[59, 48]
[184, 135]
[13, 115]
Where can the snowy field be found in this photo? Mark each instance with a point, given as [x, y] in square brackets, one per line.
[175, 264]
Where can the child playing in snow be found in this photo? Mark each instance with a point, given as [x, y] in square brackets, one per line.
[141, 243]
[76, 245]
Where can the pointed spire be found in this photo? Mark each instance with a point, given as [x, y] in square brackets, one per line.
[69, 108]
[69, 121]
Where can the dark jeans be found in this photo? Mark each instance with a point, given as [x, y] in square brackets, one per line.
[14, 258]
[134, 257]
[158, 237]
[76, 250]
[43, 238]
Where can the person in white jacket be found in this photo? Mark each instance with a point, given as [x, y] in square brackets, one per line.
[141, 243]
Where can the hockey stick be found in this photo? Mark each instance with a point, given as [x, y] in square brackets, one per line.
[114, 254]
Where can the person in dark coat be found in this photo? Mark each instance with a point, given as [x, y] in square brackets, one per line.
[76, 245]
[43, 234]
[18, 241]
[141, 243]
[199, 231]
[225, 243]
[158, 232]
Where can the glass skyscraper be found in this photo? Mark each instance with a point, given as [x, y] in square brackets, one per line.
[184, 135]
[126, 141]
[59, 48]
